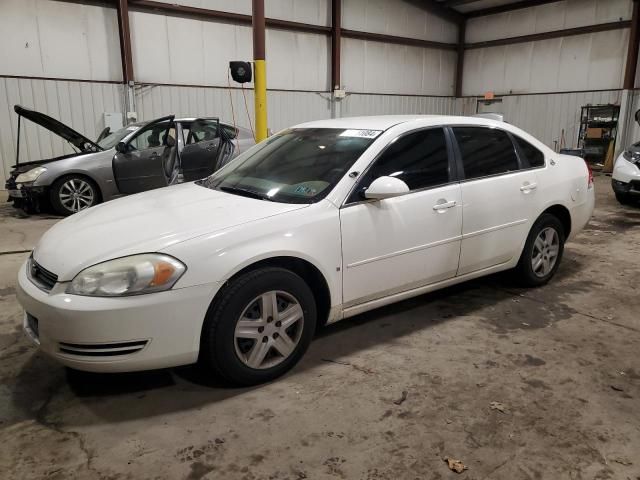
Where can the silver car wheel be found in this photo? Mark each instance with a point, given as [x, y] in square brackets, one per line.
[268, 330]
[545, 252]
[76, 194]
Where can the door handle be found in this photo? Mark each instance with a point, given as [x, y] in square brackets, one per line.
[443, 205]
[527, 187]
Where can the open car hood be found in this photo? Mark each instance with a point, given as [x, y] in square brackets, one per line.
[78, 140]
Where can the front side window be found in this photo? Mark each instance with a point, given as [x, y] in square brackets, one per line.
[485, 151]
[420, 159]
[295, 166]
[530, 153]
[155, 135]
[114, 138]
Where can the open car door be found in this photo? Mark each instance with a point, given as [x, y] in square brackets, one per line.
[147, 160]
[202, 144]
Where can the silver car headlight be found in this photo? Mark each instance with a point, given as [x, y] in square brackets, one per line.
[30, 176]
[133, 275]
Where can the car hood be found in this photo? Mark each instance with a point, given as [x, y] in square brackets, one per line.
[78, 140]
[146, 222]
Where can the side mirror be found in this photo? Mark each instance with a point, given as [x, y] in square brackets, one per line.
[121, 147]
[385, 187]
[638, 117]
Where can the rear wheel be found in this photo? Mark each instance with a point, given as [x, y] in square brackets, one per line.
[542, 251]
[259, 327]
[73, 193]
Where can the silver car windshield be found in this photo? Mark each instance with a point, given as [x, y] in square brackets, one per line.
[294, 166]
[113, 138]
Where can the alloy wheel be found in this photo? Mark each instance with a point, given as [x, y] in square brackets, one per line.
[545, 252]
[268, 330]
[76, 194]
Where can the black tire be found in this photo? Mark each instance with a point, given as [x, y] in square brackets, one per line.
[524, 270]
[218, 342]
[55, 191]
[624, 199]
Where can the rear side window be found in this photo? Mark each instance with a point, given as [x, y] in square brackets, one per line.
[485, 151]
[530, 153]
[419, 159]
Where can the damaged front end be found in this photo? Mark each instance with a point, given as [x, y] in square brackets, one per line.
[23, 194]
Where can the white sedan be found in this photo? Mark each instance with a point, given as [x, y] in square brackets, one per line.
[320, 222]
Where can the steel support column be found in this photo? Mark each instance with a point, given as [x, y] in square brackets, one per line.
[632, 49]
[125, 41]
[462, 27]
[336, 25]
[260, 74]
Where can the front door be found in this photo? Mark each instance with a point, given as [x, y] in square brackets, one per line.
[498, 196]
[147, 160]
[202, 144]
[404, 242]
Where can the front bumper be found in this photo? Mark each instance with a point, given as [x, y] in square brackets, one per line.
[631, 188]
[124, 334]
[25, 196]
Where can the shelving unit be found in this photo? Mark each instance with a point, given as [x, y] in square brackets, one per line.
[598, 129]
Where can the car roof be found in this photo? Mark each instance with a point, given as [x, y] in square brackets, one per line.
[384, 122]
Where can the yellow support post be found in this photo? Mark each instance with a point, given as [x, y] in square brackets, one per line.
[260, 93]
[259, 67]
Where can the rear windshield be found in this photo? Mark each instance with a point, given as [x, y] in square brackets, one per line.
[294, 166]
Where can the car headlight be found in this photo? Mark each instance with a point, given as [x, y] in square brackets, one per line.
[30, 176]
[632, 156]
[134, 275]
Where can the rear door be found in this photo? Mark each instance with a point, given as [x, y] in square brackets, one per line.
[142, 166]
[201, 148]
[499, 197]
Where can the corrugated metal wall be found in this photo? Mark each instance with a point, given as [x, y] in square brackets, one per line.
[168, 49]
[79, 104]
[584, 62]
[546, 18]
[44, 38]
[284, 108]
[546, 115]
[358, 104]
[375, 67]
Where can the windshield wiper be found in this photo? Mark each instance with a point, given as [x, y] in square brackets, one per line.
[245, 193]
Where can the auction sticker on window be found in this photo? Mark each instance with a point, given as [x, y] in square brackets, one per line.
[361, 133]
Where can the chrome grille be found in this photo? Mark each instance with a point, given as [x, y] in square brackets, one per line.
[40, 276]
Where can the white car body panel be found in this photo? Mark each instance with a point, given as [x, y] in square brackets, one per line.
[370, 253]
[381, 256]
[625, 171]
[497, 215]
[174, 214]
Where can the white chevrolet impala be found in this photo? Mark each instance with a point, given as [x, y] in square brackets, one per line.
[318, 223]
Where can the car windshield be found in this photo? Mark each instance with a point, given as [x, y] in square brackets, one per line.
[113, 138]
[293, 166]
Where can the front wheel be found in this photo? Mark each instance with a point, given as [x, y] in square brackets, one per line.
[542, 251]
[73, 193]
[259, 327]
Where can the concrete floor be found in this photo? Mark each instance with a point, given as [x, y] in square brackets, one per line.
[562, 360]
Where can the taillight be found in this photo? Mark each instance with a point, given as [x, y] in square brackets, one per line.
[590, 184]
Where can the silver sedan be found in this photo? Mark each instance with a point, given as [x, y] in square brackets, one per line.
[136, 158]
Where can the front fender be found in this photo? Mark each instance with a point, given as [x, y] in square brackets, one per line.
[311, 234]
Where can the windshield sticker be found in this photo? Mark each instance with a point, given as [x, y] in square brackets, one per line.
[361, 133]
[132, 128]
[304, 190]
